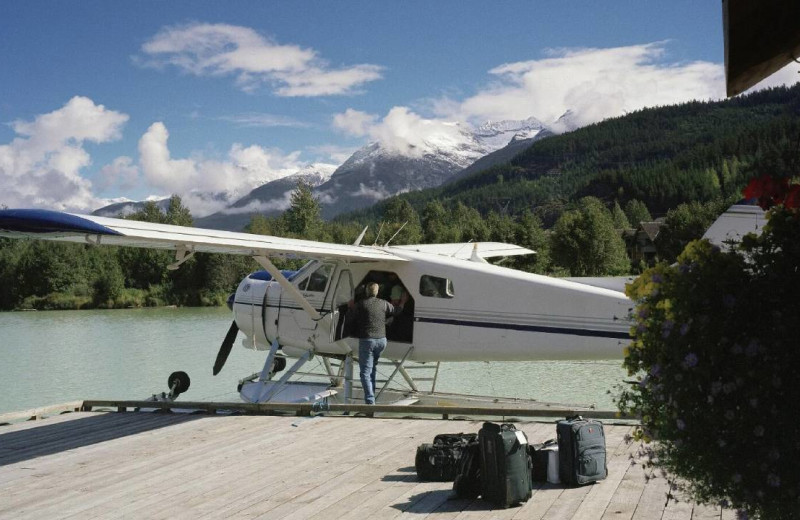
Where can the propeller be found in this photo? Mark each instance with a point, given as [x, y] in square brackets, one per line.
[225, 348]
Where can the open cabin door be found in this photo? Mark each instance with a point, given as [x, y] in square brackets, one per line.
[342, 295]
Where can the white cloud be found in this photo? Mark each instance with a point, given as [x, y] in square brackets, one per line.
[379, 192]
[255, 60]
[354, 122]
[789, 75]
[593, 83]
[261, 120]
[257, 206]
[42, 167]
[199, 180]
[403, 130]
[335, 153]
[122, 173]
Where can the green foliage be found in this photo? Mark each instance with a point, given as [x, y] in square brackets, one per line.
[585, 242]
[529, 233]
[660, 156]
[714, 350]
[619, 217]
[400, 214]
[637, 212]
[685, 223]
[303, 218]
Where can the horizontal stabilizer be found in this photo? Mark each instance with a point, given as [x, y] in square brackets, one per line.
[739, 220]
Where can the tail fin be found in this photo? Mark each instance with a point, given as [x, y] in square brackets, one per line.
[739, 220]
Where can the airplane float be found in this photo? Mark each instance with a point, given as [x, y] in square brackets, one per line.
[459, 308]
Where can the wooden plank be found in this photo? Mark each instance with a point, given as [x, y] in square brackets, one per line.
[678, 510]
[337, 479]
[653, 499]
[221, 460]
[706, 512]
[311, 501]
[124, 466]
[596, 501]
[165, 466]
[627, 495]
[40, 412]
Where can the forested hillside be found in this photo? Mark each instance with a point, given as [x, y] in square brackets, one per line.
[568, 197]
[660, 156]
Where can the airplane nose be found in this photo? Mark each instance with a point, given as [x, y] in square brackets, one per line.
[229, 302]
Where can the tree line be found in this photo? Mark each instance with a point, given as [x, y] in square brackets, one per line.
[566, 197]
[585, 241]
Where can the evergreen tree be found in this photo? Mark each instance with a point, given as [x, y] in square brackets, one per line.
[178, 214]
[303, 218]
[619, 217]
[438, 225]
[637, 212]
[529, 233]
[399, 213]
[585, 242]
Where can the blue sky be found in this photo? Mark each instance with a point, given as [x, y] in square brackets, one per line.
[101, 100]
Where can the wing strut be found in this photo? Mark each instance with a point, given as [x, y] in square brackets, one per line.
[265, 262]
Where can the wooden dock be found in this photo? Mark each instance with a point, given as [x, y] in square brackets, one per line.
[167, 465]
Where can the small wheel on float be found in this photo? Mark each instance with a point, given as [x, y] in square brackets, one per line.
[178, 383]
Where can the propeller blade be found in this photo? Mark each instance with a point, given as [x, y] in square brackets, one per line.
[225, 348]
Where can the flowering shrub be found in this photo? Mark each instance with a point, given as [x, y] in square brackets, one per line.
[716, 352]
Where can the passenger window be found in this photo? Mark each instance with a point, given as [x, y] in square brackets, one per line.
[436, 287]
[318, 279]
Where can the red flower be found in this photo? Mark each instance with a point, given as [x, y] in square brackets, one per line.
[770, 192]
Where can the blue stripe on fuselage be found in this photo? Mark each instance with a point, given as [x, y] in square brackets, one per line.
[529, 328]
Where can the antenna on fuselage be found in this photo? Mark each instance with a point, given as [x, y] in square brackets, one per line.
[378, 235]
[395, 234]
[361, 236]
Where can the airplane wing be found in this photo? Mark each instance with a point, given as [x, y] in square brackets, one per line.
[68, 227]
[465, 250]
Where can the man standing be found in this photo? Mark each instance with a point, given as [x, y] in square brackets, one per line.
[371, 314]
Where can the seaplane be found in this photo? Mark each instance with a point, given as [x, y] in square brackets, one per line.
[459, 307]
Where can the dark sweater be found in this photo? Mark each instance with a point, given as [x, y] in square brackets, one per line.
[370, 314]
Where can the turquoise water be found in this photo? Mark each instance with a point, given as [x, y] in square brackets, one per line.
[53, 357]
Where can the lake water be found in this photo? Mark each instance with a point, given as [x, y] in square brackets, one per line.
[53, 357]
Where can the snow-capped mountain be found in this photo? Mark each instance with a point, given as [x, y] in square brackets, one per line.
[497, 134]
[270, 199]
[384, 168]
[127, 207]
[380, 170]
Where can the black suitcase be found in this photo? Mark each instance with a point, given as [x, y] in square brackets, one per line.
[540, 455]
[468, 479]
[439, 461]
[505, 465]
[581, 451]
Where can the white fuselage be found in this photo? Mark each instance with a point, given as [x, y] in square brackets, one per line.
[460, 310]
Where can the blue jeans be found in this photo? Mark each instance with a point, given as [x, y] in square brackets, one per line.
[369, 350]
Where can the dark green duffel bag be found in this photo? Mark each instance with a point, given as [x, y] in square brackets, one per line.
[505, 465]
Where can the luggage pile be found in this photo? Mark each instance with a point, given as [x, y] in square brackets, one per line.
[500, 465]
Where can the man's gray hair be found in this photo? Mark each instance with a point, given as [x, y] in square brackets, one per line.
[372, 289]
